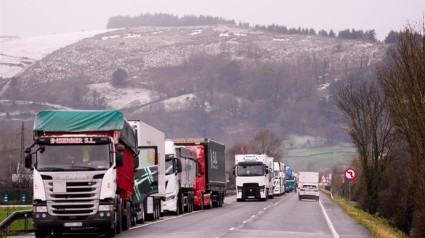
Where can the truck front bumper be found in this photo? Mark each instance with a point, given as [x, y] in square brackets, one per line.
[244, 192]
[44, 220]
[170, 204]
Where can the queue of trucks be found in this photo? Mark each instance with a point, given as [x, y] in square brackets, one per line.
[96, 169]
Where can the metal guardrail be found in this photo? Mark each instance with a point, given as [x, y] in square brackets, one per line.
[18, 215]
[326, 191]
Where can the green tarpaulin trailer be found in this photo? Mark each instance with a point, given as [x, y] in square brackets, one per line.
[85, 121]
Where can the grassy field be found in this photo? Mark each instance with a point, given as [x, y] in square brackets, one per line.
[17, 225]
[319, 158]
[378, 226]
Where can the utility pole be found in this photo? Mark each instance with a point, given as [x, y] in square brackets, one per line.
[22, 142]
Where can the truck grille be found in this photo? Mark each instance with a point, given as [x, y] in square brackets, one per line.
[80, 198]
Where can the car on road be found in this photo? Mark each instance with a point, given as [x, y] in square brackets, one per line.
[308, 191]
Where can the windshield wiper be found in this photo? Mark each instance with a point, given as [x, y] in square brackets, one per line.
[82, 167]
[50, 169]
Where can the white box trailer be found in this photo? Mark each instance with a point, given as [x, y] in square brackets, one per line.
[180, 176]
[279, 178]
[307, 177]
[270, 175]
[149, 170]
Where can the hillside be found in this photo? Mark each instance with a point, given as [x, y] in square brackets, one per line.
[223, 82]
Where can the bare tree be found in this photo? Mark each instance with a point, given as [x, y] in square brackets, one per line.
[369, 125]
[403, 81]
[266, 142]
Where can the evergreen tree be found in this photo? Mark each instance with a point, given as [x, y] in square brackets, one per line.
[119, 77]
[392, 37]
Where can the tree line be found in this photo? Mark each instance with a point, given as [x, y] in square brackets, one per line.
[385, 116]
[162, 19]
[169, 20]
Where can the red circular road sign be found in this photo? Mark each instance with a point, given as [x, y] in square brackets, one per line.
[350, 174]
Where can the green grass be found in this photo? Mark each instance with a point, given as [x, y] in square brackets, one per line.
[319, 158]
[17, 225]
[377, 225]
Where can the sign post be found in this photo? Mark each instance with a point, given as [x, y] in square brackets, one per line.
[350, 174]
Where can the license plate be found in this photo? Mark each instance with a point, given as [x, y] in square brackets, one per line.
[73, 224]
[251, 196]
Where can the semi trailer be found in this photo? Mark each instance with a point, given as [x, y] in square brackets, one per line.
[211, 174]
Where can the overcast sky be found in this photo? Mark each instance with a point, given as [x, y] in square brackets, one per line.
[42, 17]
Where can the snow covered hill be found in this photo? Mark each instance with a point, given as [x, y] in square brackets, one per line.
[16, 54]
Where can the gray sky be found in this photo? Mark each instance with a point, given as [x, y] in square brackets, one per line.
[42, 17]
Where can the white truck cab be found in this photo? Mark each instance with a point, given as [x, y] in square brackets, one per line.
[252, 176]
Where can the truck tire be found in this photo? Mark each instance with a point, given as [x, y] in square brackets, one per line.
[181, 203]
[190, 202]
[177, 212]
[142, 220]
[41, 233]
[210, 205]
[126, 220]
[110, 232]
[220, 200]
[201, 207]
[118, 215]
[157, 210]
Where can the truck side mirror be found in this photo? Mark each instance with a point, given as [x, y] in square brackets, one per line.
[136, 162]
[179, 166]
[119, 156]
[28, 160]
[234, 171]
[120, 148]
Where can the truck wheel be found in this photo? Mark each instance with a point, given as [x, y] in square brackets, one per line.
[158, 207]
[118, 215]
[110, 232]
[210, 206]
[190, 202]
[40, 234]
[126, 220]
[181, 204]
[141, 220]
[177, 212]
[202, 202]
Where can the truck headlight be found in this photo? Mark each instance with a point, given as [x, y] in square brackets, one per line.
[39, 209]
[105, 208]
[170, 198]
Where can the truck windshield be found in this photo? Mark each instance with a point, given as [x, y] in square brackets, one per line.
[73, 157]
[250, 170]
[169, 167]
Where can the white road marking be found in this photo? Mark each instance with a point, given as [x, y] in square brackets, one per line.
[162, 220]
[231, 228]
[331, 226]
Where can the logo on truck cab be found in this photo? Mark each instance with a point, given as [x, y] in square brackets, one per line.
[214, 161]
[72, 140]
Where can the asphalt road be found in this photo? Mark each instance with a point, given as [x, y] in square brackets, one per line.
[283, 216]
